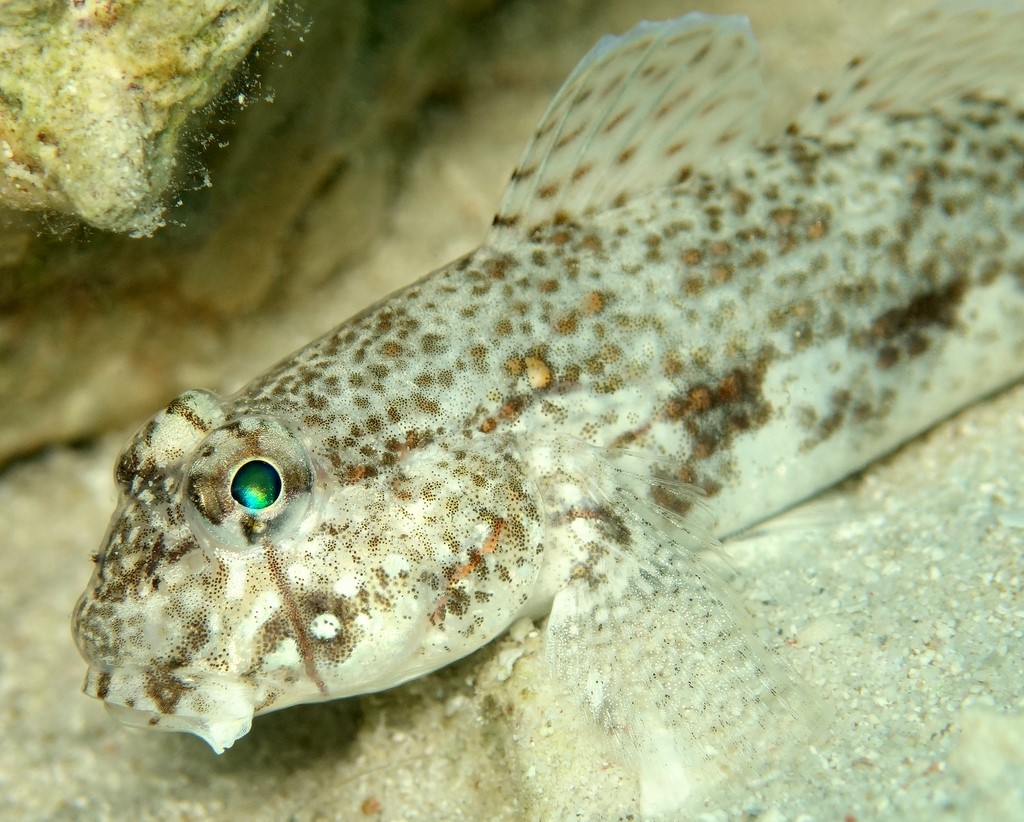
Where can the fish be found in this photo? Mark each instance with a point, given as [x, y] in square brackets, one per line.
[678, 325]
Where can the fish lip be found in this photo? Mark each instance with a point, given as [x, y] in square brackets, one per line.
[219, 710]
[219, 734]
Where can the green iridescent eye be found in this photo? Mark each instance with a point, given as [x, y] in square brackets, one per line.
[256, 485]
[250, 481]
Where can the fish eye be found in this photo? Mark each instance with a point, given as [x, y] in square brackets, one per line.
[249, 480]
[256, 485]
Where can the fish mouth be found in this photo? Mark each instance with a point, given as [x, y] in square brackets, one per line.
[218, 707]
[217, 710]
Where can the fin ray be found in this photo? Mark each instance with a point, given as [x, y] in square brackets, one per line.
[691, 87]
[651, 642]
[931, 59]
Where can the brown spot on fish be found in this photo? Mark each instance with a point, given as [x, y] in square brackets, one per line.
[692, 256]
[165, 688]
[593, 302]
[581, 171]
[675, 148]
[181, 408]
[903, 330]
[617, 119]
[505, 220]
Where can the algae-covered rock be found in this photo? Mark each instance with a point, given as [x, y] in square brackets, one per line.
[94, 95]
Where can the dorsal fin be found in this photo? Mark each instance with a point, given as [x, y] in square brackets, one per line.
[640, 111]
[933, 58]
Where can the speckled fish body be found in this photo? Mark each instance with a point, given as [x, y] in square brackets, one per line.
[667, 300]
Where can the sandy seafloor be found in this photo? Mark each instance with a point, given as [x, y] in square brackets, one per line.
[899, 597]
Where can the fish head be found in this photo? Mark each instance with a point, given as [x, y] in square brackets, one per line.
[249, 567]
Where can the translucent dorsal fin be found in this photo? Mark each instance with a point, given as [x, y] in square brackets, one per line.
[640, 111]
[933, 58]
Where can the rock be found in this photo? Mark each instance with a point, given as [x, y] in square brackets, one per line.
[94, 95]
